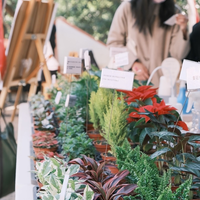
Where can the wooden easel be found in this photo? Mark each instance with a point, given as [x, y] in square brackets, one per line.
[29, 34]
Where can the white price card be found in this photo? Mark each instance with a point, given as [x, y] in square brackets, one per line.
[117, 79]
[116, 50]
[171, 21]
[58, 97]
[70, 100]
[193, 78]
[121, 59]
[72, 65]
[187, 64]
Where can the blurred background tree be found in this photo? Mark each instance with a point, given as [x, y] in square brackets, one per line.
[93, 16]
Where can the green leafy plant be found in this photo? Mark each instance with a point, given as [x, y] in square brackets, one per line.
[145, 174]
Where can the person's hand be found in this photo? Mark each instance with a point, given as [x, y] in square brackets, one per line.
[182, 21]
[140, 71]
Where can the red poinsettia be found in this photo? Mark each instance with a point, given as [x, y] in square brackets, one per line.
[156, 109]
[182, 124]
[141, 93]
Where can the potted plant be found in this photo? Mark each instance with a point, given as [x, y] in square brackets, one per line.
[115, 122]
[44, 145]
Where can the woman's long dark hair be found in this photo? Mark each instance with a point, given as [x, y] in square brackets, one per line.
[143, 12]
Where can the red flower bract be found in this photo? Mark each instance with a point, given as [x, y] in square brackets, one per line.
[156, 109]
[141, 93]
[182, 124]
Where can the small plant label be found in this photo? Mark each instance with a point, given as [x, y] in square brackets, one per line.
[87, 60]
[53, 80]
[193, 78]
[72, 65]
[117, 50]
[64, 187]
[70, 100]
[58, 97]
[187, 64]
[117, 79]
[121, 59]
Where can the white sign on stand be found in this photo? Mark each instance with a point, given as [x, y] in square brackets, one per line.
[72, 65]
[187, 64]
[58, 97]
[70, 100]
[121, 59]
[117, 79]
[193, 78]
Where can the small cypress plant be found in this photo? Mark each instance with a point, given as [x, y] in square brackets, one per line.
[115, 123]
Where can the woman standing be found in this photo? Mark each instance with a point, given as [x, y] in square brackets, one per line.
[139, 26]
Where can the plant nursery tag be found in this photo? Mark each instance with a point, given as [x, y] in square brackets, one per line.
[87, 60]
[187, 64]
[64, 187]
[53, 80]
[72, 65]
[193, 78]
[81, 52]
[121, 59]
[70, 100]
[117, 50]
[58, 97]
[171, 21]
[115, 79]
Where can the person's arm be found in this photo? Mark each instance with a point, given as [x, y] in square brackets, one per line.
[180, 44]
[119, 31]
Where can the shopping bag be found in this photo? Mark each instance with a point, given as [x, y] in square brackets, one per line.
[8, 149]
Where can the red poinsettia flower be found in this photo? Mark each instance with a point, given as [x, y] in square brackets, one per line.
[183, 125]
[156, 109]
[141, 93]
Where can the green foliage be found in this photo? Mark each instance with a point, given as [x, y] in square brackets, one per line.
[83, 89]
[75, 141]
[51, 174]
[144, 173]
[181, 193]
[78, 145]
[99, 103]
[114, 130]
[92, 111]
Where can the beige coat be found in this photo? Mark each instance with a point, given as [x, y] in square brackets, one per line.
[150, 50]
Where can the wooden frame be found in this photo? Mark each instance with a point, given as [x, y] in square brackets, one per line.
[27, 41]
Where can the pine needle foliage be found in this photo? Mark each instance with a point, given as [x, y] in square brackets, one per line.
[99, 103]
[115, 123]
[144, 173]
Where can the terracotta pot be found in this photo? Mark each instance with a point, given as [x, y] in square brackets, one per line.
[113, 168]
[101, 147]
[38, 151]
[95, 135]
[40, 185]
[106, 157]
[174, 188]
[89, 126]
